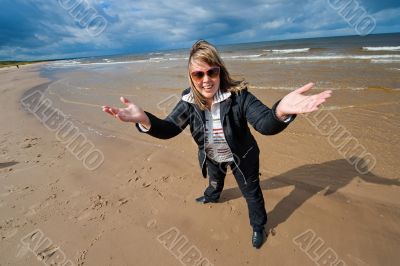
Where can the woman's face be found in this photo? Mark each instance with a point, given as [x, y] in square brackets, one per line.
[205, 77]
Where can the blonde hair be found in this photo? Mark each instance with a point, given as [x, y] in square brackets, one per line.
[206, 52]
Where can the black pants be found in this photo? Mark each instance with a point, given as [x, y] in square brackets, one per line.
[251, 190]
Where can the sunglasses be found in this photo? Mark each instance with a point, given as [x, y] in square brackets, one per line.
[199, 75]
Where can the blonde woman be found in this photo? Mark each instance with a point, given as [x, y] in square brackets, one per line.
[218, 110]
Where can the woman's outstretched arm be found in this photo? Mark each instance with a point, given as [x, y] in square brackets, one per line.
[166, 128]
[272, 121]
[297, 103]
[131, 113]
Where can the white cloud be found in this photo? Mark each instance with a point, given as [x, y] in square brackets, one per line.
[50, 30]
[277, 23]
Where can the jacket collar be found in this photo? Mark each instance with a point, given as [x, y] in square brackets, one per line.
[218, 97]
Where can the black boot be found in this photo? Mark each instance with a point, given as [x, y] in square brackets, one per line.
[203, 200]
[258, 238]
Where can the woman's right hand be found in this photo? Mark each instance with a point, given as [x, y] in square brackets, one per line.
[132, 113]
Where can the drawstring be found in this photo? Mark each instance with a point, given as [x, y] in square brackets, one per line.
[244, 178]
[244, 156]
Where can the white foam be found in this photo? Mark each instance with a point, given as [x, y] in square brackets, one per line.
[382, 48]
[288, 51]
[327, 57]
[387, 58]
[358, 89]
[242, 56]
[335, 107]
[74, 63]
[385, 61]
[293, 88]
[65, 62]
[271, 88]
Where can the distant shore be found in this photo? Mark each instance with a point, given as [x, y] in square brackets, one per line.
[19, 63]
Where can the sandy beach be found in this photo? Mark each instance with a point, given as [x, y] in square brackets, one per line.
[136, 206]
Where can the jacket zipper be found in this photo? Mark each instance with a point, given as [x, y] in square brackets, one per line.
[204, 138]
[227, 142]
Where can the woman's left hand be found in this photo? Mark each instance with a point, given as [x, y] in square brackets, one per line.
[297, 103]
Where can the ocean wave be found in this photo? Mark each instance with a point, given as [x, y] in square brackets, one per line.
[382, 48]
[242, 56]
[66, 62]
[318, 86]
[385, 61]
[270, 88]
[288, 51]
[324, 58]
[105, 62]
[335, 107]
[387, 58]
[77, 63]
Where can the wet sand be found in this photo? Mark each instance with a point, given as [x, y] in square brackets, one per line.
[137, 207]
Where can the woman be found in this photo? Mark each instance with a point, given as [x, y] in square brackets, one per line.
[218, 110]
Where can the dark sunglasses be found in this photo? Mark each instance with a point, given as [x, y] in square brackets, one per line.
[199, 75]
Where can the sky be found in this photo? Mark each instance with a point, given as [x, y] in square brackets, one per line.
[50, 29]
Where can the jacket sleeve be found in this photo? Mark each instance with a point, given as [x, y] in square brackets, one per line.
[172, 125]
[262, 118]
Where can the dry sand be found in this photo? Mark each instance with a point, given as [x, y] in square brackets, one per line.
[130, 210]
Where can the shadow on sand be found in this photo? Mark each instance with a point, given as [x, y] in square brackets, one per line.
[308, 180]
[7, 164]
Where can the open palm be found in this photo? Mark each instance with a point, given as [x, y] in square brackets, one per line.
[297, 103]
[131, 113]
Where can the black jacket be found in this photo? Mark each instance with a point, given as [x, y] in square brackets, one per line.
[236, 111]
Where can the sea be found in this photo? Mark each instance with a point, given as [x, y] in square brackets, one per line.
[363, 72]
[343, 62]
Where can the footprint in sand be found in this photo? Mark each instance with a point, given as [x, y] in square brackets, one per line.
[86, 215]
[152, 223]
[122, 201]
[10, 189]
[32, 210]
[9, 234]
[94, 212]
[29, 142]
